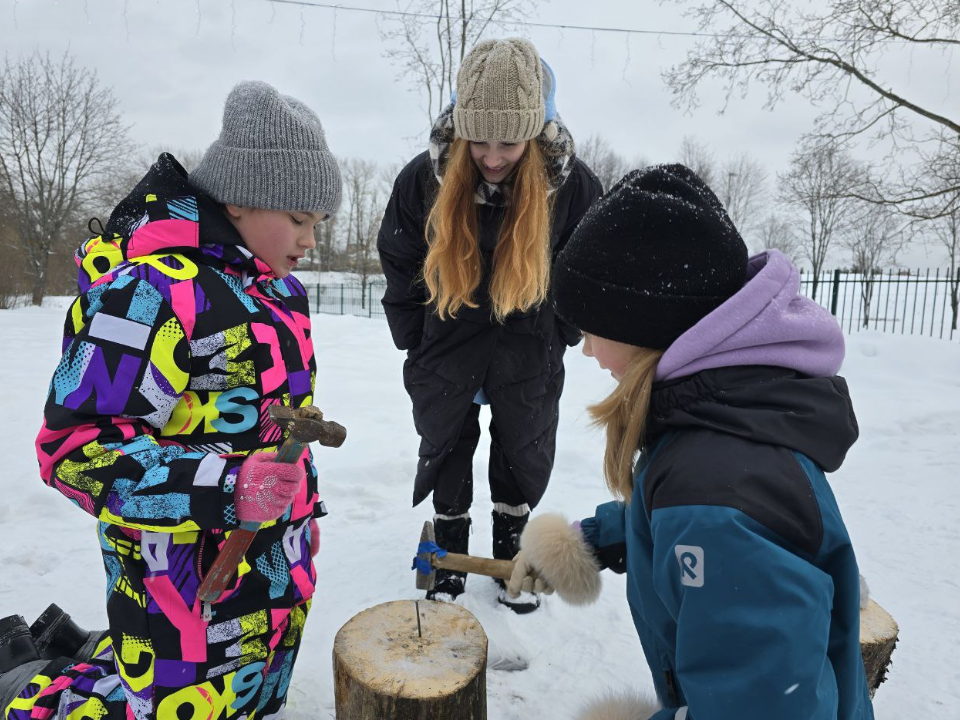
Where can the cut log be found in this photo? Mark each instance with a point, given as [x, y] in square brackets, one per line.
[878, 638]
[411, 660]
[422, 660]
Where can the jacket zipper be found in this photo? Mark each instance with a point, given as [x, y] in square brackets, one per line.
[206, 612]
[671, 684]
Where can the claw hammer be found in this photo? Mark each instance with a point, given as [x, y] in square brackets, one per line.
[304, 425]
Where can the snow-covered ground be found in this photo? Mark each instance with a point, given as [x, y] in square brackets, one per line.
[899, 492]
[311, 277]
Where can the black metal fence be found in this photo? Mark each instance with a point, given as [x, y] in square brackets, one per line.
[915, 302]
[347, 299]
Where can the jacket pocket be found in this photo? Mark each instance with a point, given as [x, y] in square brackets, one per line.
[296, 550]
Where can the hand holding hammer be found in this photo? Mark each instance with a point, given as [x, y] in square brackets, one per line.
[268, 493]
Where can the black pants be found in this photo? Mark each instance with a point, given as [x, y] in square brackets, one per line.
[457, 469]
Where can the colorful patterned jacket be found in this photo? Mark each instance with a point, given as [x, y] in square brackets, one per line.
[177, 346]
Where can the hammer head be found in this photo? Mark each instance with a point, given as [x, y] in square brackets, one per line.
[307, 425]
[426, 581]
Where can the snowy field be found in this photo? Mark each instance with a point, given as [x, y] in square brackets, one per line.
[899, 492]
[310, 277]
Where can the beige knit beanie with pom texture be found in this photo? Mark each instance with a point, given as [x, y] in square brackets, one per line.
[500, 92]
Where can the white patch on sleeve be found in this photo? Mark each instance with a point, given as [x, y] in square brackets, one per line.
[119, 330]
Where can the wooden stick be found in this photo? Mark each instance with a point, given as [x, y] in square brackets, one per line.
[501, 569]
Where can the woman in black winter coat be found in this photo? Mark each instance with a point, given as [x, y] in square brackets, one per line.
[467, 243]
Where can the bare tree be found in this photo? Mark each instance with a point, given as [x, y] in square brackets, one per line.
[61, 140]
[364, 192]
[873, 240]
[946, 229]
[819, 184]
[777, 233]
[836, 58]
[429, 42]
[742, 187]
[321, 258]
[11, 260]
[697, 156]
[607, 164]
[740, 182]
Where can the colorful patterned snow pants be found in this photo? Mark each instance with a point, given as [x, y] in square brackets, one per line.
[96, 690]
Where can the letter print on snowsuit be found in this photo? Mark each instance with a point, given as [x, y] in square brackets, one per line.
[177, 347]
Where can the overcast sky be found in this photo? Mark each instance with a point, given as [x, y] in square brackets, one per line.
[172, 62]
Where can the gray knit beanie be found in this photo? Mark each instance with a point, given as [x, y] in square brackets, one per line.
[500, 92]
[271, 154]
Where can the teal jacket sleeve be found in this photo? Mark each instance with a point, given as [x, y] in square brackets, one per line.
[605, 532]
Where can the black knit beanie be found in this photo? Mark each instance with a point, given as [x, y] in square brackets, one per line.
[650, 259]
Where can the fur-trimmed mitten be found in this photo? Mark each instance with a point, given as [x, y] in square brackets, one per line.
[620, 706]
[557, 556]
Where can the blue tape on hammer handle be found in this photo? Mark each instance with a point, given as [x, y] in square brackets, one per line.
[422, 565]
[430, 547]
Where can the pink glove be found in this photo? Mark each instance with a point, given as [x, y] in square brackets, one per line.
[314, 538]
[266, 488]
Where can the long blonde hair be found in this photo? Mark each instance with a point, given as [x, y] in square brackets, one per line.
[623, 416]
[521, 261]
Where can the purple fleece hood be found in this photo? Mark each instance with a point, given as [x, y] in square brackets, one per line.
[767, 322]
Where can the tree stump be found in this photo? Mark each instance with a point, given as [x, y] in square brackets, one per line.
[411, 660]
[878, 638]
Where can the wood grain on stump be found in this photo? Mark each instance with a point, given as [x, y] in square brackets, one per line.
[411, 660]
[878, 638]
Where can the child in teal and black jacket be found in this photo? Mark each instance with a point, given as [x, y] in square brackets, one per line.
[741, 576]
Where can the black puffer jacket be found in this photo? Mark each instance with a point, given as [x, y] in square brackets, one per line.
[518, 363]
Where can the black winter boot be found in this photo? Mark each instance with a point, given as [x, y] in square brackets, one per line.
[453, 535]
[16, 643]
[56, 635]
[507, 529]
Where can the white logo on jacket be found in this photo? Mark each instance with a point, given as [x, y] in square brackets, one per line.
[690, 558]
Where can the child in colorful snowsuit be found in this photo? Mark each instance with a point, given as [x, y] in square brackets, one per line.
[741, 576]
[188, 329]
